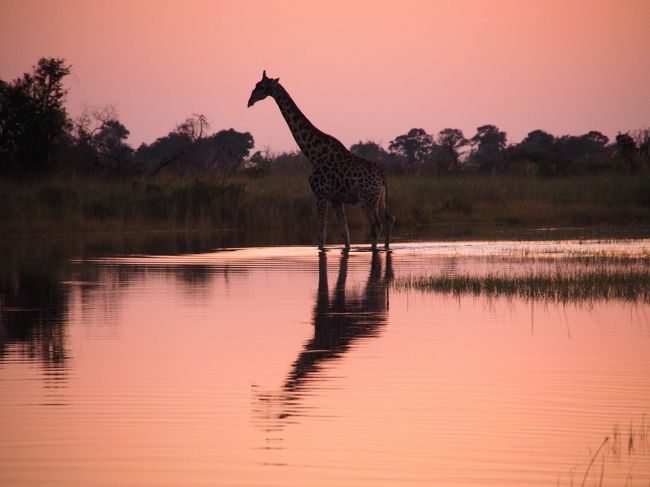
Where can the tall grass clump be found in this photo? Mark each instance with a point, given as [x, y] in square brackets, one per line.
[629, 285]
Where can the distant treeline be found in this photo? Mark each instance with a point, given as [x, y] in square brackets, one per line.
[38, 136]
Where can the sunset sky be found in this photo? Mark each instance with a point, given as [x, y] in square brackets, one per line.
[359, 70]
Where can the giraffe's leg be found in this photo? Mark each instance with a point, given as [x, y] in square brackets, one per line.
[370, 209]
[339, 212]
[321, 206]
[389, 220]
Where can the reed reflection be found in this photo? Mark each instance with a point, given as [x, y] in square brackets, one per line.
[342, 319]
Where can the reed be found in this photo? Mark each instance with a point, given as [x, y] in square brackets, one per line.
[615, 452]
[593, 459]
[624, 284]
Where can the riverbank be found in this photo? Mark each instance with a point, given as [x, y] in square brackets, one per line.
[282, 204]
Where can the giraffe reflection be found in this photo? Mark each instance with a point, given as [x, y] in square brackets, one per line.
[341, 320]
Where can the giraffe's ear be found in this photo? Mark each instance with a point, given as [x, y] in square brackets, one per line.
[264, 75]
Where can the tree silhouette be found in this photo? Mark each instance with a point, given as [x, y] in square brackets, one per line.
[554, 156]
[598, 138]
[538, 140]
[588, 145]
[190, 147]
[536, 152]
[181, 144]
[450, 142]
[100, 141]
[416, 146]
[110, 145]
[36, 135]
[489, 144]
[642, 140]
[228, 148]
[370, 150]
[33, 120]
[164, 151]
[626, 149]
[195, 127]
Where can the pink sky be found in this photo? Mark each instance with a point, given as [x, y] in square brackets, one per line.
[359, 70]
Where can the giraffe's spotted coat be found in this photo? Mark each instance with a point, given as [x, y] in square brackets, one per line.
[338, 176]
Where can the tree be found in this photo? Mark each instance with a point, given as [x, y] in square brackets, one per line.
[228, 148]
[182, 143]
[189, 146]
[584, 146]
[538, 141]
[536, 152]
[489, 144]
[626, 148]
[164, 151]
[92, 119]
[599, 139]
[110, 145]
[642, 140]
[100, 140]
[260, 162]
[416, 146]
[33, 120]
[370, 150]
[194, 127]
[450, 142]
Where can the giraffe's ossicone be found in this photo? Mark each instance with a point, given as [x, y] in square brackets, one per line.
[338, 176]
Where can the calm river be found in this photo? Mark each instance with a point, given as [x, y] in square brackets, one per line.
[280, 366]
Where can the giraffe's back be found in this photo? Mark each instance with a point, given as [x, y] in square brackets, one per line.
[349, 180]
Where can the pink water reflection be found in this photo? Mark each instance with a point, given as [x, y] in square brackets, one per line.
[275, 367]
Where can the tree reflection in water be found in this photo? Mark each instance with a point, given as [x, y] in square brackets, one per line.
[33, 306]
[33, 321]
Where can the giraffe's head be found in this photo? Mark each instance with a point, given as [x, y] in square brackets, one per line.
[262, 89]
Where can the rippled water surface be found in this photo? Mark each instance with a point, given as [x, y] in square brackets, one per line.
[280, 366]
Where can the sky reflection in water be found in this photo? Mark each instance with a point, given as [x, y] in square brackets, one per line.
[276, 366]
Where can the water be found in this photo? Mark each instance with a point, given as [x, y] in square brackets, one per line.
[277, 366]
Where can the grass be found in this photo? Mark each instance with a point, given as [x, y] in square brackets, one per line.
[159, 204]
[629, 285]
[283, 201]
[521, 200]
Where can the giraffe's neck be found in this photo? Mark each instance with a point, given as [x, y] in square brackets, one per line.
[312, 142]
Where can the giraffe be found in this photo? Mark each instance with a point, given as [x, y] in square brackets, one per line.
[338, 176]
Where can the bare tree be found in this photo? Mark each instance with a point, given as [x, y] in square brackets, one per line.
[92, 119]
[101, 138]
[195, 127]
[192, 131]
